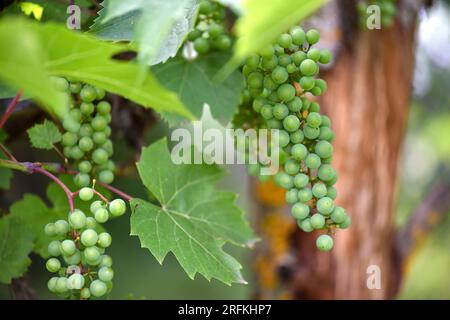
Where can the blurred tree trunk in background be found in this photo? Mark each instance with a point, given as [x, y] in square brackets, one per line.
[369, 87]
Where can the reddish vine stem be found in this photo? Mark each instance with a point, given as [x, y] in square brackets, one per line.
[116, 191]
[12, 105]
[7, 153]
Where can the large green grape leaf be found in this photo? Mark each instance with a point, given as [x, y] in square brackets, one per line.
[16, 243]
[193, 221]
[5, 174]
[31, 51]
[193, 82]
[44, 135]
[264, 20]
[158, 27]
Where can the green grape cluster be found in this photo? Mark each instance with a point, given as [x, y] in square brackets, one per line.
[388, 11]
[77, 250]
[86, 139]
[282, 78]
[209, 33]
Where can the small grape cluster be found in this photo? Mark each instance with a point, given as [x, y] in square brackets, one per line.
[388, 11]
[282, 79]
[209, 32]
[86, 140]
[88, 269]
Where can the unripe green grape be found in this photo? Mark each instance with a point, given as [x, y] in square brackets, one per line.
[253, 61]
[99, 123]
[73, 259]
[82, 180]
[194, 34]
[215, 30]
[96, 205]
[91, 254]
[100, 156]
[291, 167]
[319, 190]
[104, 240]
[86, 130]
[274, 97]
[291, 68]
[99, 138]
[327, 160]
[325, 206]
[255, 80]
[298, 35]
[53, 265]
[71, 125]
[298, 57]
[304, 195]
[310, 132]
[321, 84]
[68, 247]
[69, 139]
[60, 83]
[77, 219]
[106, 261]
[326, 122]
[301, 180]
[326, 172]
[61, 227]
[87, 108]
[338, 215]
[88, 93]
[85, 144]
[324, 243]
[291, 196]
[50, 229]
[101, 215]
[308, 67]
[323, 149]
[297, 137]
[331, 192]
[106, 176]
[305, 225]
[75, 281]
[85, 293]
[103, 107]
[266, 93]
[284, 60]
[325, 56]
[317, 221]
[312, 161]
[305, 104]
[291, 123]
[314, 107]
[306, 83]
[285, 40]
[295, 104]
[117, 207]
[274, 124]
[51, 284]
[100, 93]
[300, 211]
[267, 112]
[326, 134]
[269, 63]
[286, 92]
[86, 194]
[280, 111]
[61, 285]
[279, 75]
[54, 248]
[89, 237]
[76, 153]
[98, 288]
[312, 36]
[316, 91]
[105, 274]
[75, 87]
[85, 166]
[201, 45]
[267, 52]
[107, 131]
[332, 181]
[314, 119]
[283, 138]
[284, 180]
[269, 83]
[299, 152]
[258, 104]
[313, 54]
[222, 42]
[346, 223]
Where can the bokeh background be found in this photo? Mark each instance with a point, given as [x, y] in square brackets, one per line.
[425, 157]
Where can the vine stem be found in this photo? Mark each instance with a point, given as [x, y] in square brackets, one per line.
[7, 153]
[12, 105]
[116, 191]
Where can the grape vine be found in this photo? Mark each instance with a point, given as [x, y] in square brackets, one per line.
[281, 79]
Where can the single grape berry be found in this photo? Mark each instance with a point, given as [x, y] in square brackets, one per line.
[300, 211]
[304, 195]
[314, 120]
[92, 255]
[85, 293]
[91, 223]
[317, 221]
[50, 229]
[75, 281]
[61, 227]
[324, 243]
[291, 196]
[298, 35]
[201, 45]
[61, 285]
[255, 80]
[291, 123]
[105, 274]
[95, 206]
[295, 104]
[305, 225]
[297, 137]
[100, 156]
[346, 223]
[325, 205]
[338, 215]
[312, 161]
[98, 288]
[106, 176]
[117, 207]
[326, 172]
[54, 248]
[68, 247]
[319, 190]
[301, 180]
[284, 180]
[89, 237]
[286, 92]
[88, 93]
[308, 67]
[104, 239]
[77, 219]
[101, 215]
[53, 265]
[292, 167]
[279, 75]
[285, 40]
[312, 36]
[86, 194]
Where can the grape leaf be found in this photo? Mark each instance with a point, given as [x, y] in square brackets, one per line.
[186, 77]
[5, 174]
[193, 220]
[44, 136]
[82, 57]
[16, 243]
[158, 27]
